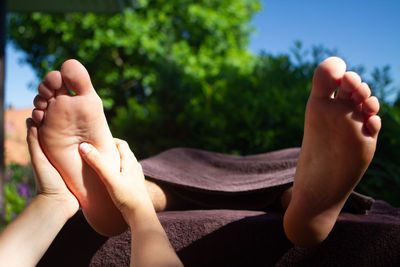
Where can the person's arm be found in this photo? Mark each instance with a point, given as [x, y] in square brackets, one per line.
[150, 244]
[24, 241]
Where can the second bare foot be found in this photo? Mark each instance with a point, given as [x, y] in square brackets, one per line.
[340, 135]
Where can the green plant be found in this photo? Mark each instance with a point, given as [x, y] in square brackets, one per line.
[18, 189]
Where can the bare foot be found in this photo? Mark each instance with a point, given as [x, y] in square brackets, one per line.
[65, 121]
[339, 142]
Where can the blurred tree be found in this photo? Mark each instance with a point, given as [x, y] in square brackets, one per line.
[136, 59]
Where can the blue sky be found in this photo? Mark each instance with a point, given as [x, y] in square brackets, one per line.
[363, 32]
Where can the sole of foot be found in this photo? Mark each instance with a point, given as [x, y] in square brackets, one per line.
[69, 112]
[340, 134]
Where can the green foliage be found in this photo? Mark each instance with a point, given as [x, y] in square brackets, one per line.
[154, 66]
[244, 112]
[14, 203]
[178, 73]
[124, 52]
[18, 188]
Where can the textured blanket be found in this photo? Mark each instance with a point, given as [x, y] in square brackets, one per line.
[237, 222]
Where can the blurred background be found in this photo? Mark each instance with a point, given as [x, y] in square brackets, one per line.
[226, 76]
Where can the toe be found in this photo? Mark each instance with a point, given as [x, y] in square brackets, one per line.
[328, 76]
[37, 115]
[350, 82]
[370, 106]
[40, 102]
[373, 125]
[75, 77]
[51, 83]
[53, 80]
[44, 91]
[361, 94]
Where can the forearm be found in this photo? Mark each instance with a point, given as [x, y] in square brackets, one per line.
[24, 241]
[150, 245]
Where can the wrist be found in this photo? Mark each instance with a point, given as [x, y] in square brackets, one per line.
[142, 211]
[63, 206]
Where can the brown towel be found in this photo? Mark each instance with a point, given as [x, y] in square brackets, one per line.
[232, 233]
[251, 238]
[215, 181]
[220, 173]
[240, 238]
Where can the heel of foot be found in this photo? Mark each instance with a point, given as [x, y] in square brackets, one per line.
[306, 232]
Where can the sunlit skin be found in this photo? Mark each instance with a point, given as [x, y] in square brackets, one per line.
[339, 142]
[69, 112]
[65, 120]
[127, 188]
[24, 241]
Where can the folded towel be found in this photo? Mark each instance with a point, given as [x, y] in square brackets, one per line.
[201, 170]
[213, 180]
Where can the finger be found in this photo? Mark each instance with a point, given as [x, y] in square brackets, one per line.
[40, 163]
[127, 156]
[95, 160]
[35, 151]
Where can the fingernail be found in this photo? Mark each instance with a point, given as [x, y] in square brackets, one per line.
[85, 148]
[28, 122]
